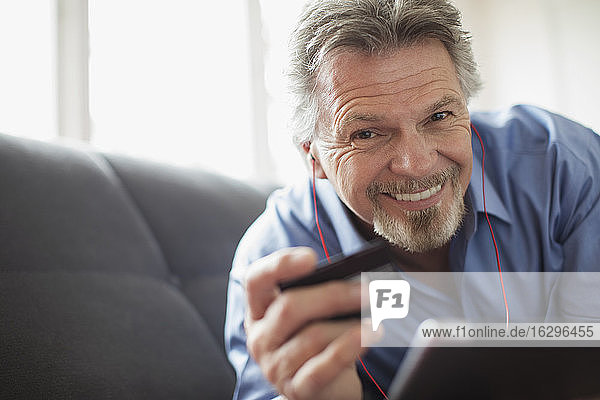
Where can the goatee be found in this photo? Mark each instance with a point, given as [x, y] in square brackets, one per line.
[422, 230]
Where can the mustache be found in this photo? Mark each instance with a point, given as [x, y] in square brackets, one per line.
[414, 185]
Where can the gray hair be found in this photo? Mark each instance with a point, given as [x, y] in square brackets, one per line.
[374, 27]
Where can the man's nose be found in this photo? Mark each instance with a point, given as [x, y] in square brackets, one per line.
[412, 155]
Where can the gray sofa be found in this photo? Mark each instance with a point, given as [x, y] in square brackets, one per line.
[113, 274]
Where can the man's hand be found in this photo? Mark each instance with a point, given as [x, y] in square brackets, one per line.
[304, 355]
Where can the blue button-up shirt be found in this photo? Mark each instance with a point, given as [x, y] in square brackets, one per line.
[542, 187]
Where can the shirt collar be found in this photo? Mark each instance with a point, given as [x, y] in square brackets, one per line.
[350, 240]
[493, 202]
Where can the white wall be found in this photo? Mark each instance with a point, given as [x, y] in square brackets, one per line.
[27, 69]
[170, 81]
[543, 52]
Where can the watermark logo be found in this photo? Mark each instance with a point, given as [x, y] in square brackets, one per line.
[388, 299]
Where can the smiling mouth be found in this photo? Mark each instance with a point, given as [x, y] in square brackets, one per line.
[415, 194]
[425, 194]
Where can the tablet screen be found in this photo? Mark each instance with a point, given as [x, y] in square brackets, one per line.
[498, 373]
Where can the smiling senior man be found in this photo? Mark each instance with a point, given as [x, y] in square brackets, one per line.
[381, 89]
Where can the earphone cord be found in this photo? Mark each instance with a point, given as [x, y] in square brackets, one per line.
[490, 225]
[328, 260]
[316, 213]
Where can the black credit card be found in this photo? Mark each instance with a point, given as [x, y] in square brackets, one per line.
[375, 256]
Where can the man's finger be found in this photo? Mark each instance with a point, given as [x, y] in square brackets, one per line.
[320, 371]
[310, 341]
[264, 275]
[295, 308]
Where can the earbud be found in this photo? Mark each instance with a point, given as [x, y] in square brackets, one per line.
[306, 146]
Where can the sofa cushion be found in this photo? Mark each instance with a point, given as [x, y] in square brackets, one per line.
[190, 215]
[190, 212]
[62, 209]
[97, 335]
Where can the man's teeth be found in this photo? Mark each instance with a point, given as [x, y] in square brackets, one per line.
[418, 196]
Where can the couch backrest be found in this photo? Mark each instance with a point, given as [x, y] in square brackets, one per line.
[113, 274]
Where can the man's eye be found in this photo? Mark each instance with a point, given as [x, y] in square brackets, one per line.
[438, 116]
[365, 135]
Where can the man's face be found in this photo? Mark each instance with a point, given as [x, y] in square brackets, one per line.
[394, 140]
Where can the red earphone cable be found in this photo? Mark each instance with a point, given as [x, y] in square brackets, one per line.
[372, 379]
[489, 224]
[314, 188]
[328, 260]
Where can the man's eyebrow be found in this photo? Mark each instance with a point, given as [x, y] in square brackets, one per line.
[362, 117]
[443, 102]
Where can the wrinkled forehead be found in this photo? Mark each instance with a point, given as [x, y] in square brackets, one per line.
[346, 71]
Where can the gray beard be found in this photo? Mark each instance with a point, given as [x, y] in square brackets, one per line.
[421, 230]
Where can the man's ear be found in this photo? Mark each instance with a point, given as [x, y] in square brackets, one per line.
[313, 160]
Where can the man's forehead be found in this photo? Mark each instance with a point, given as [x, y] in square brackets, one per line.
[344, 64]
[400, 76]
[402, 72]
